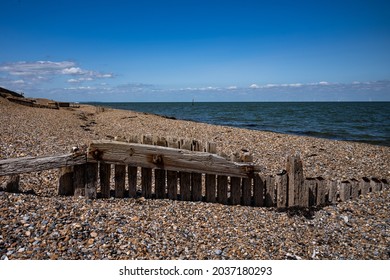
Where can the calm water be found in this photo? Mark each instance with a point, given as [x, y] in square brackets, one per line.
[353, 121]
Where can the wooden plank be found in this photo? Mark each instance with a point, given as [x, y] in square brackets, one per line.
[311, 186]
[303, 196]
[132, 180]
[281, 182]
[375, 184]
[322, 191]
[246, 198]
[210, 179]
[210, 187]
[222, 189]
[159, 180]
[146, 182]
[91, 180]
[364, 186]
[120, 180]
[167, 158]
[295, 179]
[185, 186]
[345, 190]
[196, 186]
[354, 188]
[146, 171]
[235, 190]
[65, 181]
[172, 184]
[79, 175]
[196, 178]
[160, 174]
[332, 188]
[105, 179]
[258, 190]
[172, 176]
[12, 184]
[35, 164]
[269, 191]
[185, 177]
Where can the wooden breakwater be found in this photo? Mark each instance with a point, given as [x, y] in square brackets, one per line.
[189, 170]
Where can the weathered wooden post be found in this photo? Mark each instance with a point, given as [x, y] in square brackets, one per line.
[322, 191]
[258, 190]
[132, 171]
[172, 177]
[65, 182]
[105, 179]
[270, 191]
[354, 189]
[196, 178]
[246, 198]
[79, 174]
[345, 190]
[245, 156]
[12, 184]
[295, 179]
[210, 179]
[185, 177]
[235, 190]
[146, 173]
[375, 184]
[332, 188]
[91, 180]
[364, 186]
[222, 188]
[281, 182]
[310, 185]
[120, 179]
[160, 174]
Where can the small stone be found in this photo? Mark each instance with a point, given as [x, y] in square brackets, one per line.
[21, 250]
[28, 233]
[218, 252]
[94, 234]
[290, 256]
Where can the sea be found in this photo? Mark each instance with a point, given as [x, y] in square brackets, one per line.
[367, 122]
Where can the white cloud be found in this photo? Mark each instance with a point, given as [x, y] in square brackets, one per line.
[23, 68]
[98, 75]
[79, 80]
[232, 87]
[323, 83]
[43, 70]
[254, 86]
[296, 85]
[73, 71]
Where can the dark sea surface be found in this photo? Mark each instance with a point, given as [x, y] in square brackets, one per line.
[367, 122]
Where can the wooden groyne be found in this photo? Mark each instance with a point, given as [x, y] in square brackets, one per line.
[188, 170]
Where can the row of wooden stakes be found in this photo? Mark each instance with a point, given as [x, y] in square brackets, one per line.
[189, 170]
[287, 189]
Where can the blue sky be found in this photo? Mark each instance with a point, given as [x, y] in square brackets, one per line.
[204, 50]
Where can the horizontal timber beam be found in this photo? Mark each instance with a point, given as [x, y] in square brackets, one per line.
[34, 164]
[149, 156]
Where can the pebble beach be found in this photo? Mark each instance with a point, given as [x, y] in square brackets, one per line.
[38, 224]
